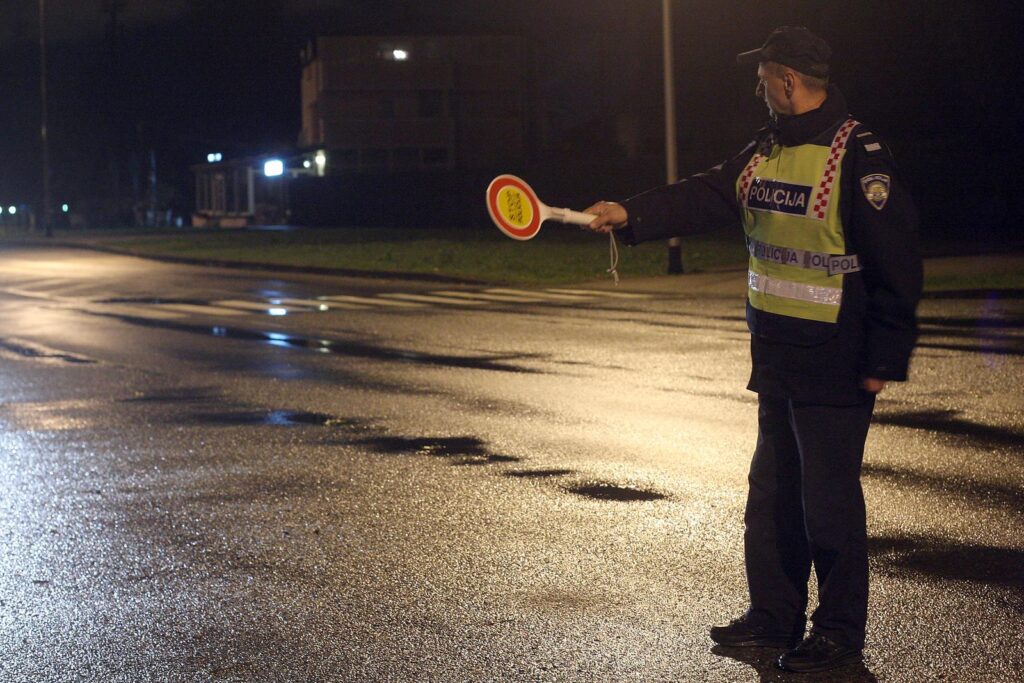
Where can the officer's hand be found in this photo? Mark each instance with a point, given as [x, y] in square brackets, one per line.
[610, 216]
[872, 385]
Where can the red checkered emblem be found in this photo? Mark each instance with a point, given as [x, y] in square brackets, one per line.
[828, 177]
[746, 179]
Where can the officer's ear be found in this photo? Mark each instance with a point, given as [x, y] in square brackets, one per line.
[789, 83]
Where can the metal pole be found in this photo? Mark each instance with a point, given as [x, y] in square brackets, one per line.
[45, 213]
[675, 254]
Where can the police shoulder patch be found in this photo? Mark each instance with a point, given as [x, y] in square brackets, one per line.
[876, 189]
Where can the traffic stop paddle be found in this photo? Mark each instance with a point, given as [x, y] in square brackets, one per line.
[516, 210]
[518, 213]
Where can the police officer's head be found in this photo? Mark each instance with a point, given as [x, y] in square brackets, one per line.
[792, 70]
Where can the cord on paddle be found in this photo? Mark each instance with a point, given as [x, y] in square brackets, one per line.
[613, 256]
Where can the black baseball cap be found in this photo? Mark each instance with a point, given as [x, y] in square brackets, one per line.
[794, 46]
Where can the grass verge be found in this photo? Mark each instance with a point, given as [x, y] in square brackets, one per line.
[559, 255]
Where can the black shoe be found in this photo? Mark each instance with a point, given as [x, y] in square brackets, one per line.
[748, 632]
[818, 653]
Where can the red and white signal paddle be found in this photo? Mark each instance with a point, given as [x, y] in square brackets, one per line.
[516, 210]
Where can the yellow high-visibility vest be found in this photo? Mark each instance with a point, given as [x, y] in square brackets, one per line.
[790, 204]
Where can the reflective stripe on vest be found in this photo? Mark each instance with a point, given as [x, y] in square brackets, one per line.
[830, 296]
[815, 260]
[793, 224]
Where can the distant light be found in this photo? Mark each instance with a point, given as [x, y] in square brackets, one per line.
[214, 157]
[277, 311]
[323, 307]
[400, 55]
[273, 168]
[13, 210]
[65, 208]
[321, 162]
[307, 163]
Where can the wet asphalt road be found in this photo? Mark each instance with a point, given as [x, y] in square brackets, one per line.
[401, 487]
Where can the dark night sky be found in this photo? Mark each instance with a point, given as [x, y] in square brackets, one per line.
[940, 81]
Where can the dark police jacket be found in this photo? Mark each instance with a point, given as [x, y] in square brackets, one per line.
[806, 360]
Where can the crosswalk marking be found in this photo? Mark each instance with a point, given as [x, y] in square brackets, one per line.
[601, 293]
[371, 301]
[538, 295]
[201, 310]
[261, 307]
[430, 299]
[319, 304]
[32, 294]
[503, 298]
[55, 287]
[135, 311]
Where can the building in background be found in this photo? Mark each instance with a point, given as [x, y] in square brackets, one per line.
[414, 103]
[395, 130]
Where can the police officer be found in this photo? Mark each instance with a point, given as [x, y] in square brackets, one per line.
[833, 282]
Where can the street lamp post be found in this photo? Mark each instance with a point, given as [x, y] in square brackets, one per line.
[675, 254]
[45, 213]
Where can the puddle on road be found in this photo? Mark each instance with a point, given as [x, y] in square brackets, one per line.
[486, 460]
[152, 301]
[539, 474]
[500, 363]
[178, 395]
[279, 418]
[1014, 294]
[943, 559]
[949, 422]
[470, 451]
[27, 349]
[443, 447]
[989, 493]
[607, 491]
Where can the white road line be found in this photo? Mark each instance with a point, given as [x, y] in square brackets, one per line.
[542, 296]
[30, 294]
[319, 305]
[371, 301]
[599, 292]
[134, 311]
[257, 306]
[504, 298]
[426, 298]
[45, 284]
[201, 310]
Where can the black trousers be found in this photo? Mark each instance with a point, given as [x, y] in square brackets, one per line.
[805, 506]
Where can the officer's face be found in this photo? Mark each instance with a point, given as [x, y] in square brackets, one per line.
[772, 89]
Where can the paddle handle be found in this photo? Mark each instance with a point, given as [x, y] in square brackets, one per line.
[570, 216]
